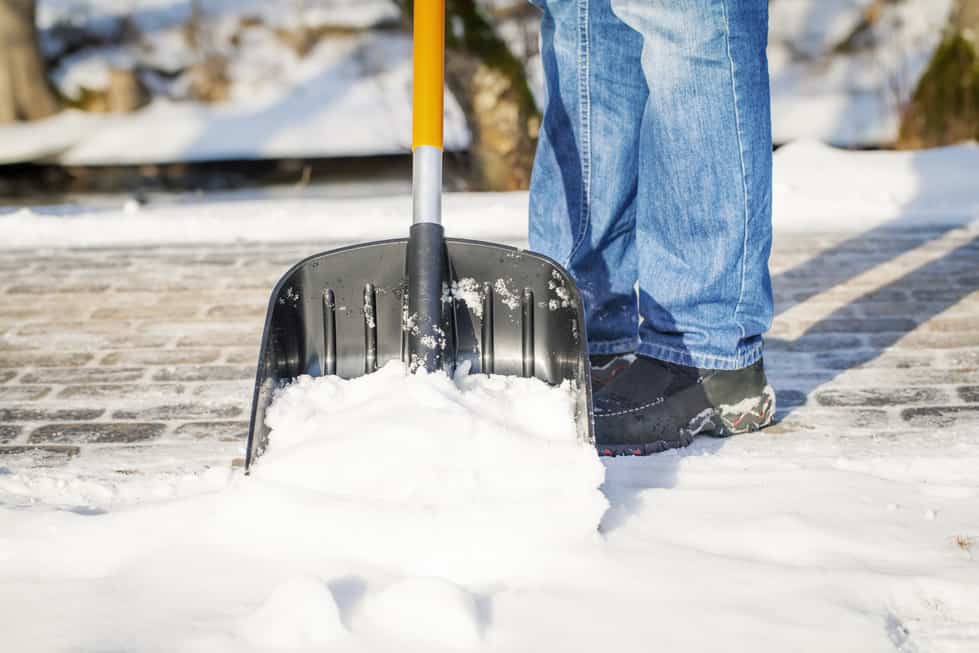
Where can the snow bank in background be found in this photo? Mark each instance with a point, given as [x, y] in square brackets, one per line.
[350, 95]
[816, 188]
[45, 139]
[491, 216]
[821, 188]
[830, 83]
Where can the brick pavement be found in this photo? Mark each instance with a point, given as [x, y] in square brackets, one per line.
[147, 354]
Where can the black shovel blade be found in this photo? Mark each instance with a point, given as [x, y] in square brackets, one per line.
[344, 312]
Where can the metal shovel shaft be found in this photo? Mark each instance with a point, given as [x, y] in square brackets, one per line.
[426, 267]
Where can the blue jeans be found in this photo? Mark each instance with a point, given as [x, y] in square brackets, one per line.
[652, 181]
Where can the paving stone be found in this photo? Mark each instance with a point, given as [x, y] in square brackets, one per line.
[45, 414]
[40, 311]
[789, 398]
[863, 325]
[57, 288]
[161, 357]
[842, 360]
[959, 323]
[43, 359]
[45, 455]
[250, 338]
[837, 418]
[905, 377]
[128, 391]
[812, 342]
[943, 294]
[8, 432]
[969, 393]
[97, 432]
[226, 391]
[136, 312]
[880, 396]
[205, 373]
[238, 356]
[23, 392]
[170, 412]
[941, 416]
[961, 359]
[922, 339]
[57, 327]
[237, 311]
[222, 431]
[83, 375]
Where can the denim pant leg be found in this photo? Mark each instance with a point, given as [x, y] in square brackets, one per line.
[703, 223]
[583, 188]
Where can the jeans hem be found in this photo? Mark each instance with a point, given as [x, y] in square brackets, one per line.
[745, 356]
[620, 346]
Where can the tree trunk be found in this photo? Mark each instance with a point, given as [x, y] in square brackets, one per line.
[490, 84]
[25, 93]
[945, 106]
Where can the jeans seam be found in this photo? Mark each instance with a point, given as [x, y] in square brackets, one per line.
[743, 357]
[621, 345]
[744, 169]
[584, 125]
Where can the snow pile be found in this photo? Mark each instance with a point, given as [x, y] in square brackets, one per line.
[383, 510]
[441, 448]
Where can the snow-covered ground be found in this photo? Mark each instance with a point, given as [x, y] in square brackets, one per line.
[816, 188]
[834, 78]
[427, 513]
[415, 513]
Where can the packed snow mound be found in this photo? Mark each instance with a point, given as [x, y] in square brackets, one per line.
[452, 443]
[429, 611]
[300, 613]
[437, 464]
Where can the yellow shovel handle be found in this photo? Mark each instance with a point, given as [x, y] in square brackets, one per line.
[429, 73]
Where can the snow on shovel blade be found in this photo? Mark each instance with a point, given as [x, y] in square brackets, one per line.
[343, 312]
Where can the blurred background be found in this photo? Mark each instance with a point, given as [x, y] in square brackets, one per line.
[157, 96]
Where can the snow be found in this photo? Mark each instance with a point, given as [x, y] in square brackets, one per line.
[819, 187]
[321, 105]
[350, 95]
[852, 94]
[427, 513]
[816, 188]
[501, 541]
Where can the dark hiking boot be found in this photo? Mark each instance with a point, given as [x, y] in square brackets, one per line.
[652, 405]
[605, 367]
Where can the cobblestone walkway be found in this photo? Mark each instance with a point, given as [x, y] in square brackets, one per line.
[148, 354]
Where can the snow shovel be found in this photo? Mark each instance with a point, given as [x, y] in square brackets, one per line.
[433, 303]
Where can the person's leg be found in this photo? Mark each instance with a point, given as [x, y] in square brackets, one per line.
[583, 188]
[703, 229]
[704, 197]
